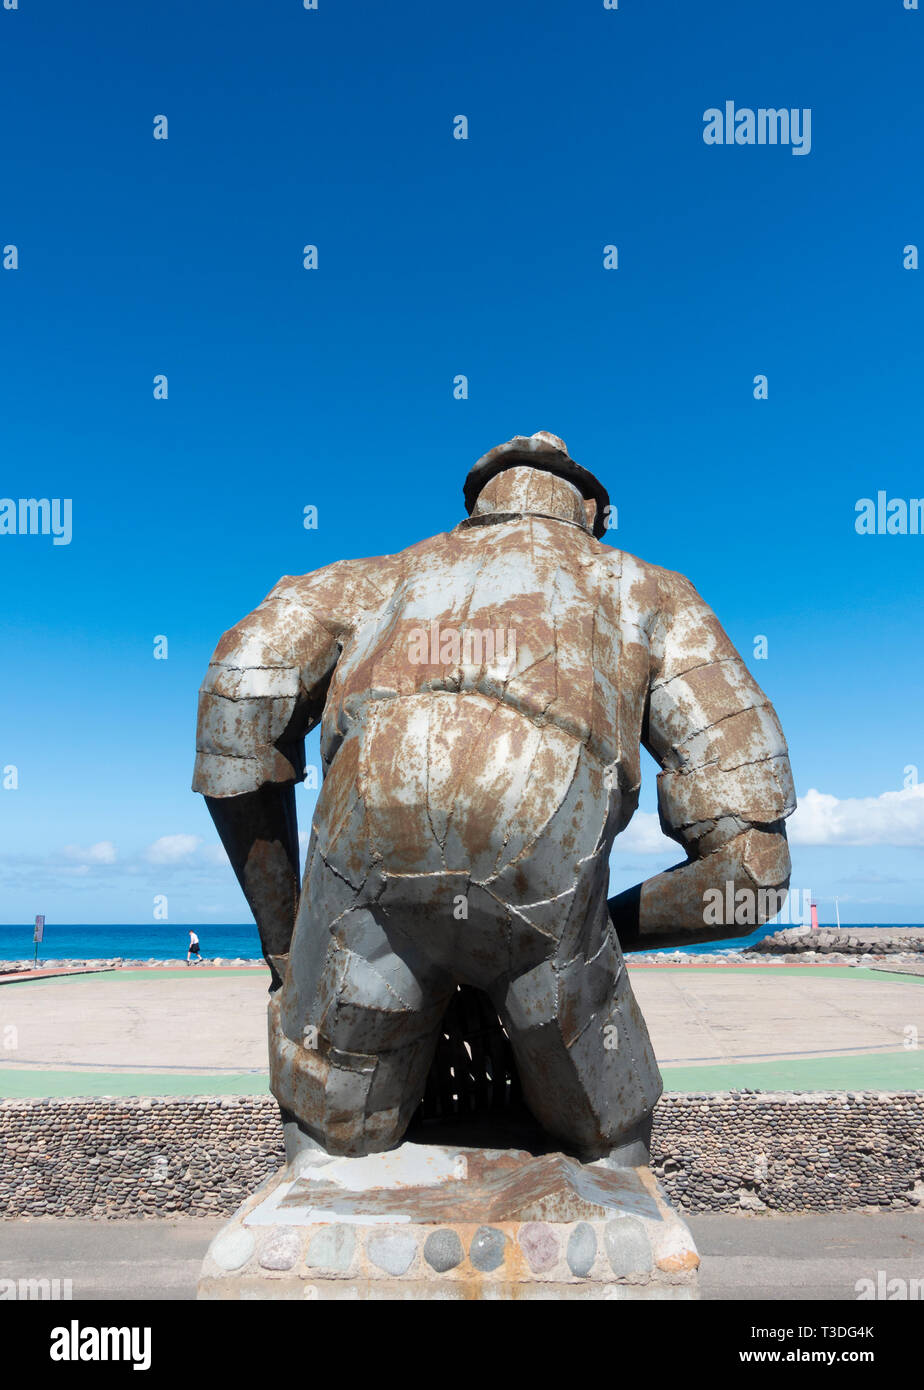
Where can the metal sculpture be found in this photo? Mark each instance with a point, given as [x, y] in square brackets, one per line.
[483, 697]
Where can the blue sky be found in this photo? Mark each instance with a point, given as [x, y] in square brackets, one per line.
[334, 387]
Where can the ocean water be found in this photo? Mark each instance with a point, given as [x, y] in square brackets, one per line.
[132, 942]
[225, 939]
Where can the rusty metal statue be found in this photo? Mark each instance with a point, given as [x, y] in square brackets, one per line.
[483, 697]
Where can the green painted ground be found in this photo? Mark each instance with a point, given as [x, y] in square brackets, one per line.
[885, 1071]
[118, 975]
[843, 972]
[28, 1083]
[864, 1071]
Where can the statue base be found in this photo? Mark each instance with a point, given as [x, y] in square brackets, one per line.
[446, 1222]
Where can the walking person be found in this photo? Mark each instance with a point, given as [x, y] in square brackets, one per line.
[192, 955]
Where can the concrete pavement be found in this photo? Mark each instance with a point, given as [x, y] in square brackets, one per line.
[805, 1257]
[779, 1258]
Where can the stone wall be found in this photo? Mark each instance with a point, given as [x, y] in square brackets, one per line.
[875, 943]
[791, 1151]
[201, 1156]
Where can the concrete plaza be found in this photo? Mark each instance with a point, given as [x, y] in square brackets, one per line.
[203, 1031]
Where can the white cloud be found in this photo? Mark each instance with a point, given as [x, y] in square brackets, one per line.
[103, 852]
[643, 835]
[172, 849]
[894, 818]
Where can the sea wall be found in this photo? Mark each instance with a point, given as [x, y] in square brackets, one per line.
[874, 943]
[198, 1156]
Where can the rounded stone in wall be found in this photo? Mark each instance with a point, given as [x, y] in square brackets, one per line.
[332, 1247]
[443, 1250]
[281, 1250]
[627, 1246]
[487, 1248]
[392, 1252]
[582, 1249]
[232, 1248]
[540, 1245]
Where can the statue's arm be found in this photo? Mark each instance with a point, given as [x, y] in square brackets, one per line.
[263, 692]
[725, 787]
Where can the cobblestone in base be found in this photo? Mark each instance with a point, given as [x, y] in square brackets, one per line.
[433, 1222]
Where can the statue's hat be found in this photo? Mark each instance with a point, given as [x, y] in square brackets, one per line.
[539, 450]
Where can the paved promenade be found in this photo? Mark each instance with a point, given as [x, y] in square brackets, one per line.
[203, 1031]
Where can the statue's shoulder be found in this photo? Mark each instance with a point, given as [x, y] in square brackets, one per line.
[639, 576]
[651, 595]
[342, 586]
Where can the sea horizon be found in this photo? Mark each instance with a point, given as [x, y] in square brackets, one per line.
[236, 940]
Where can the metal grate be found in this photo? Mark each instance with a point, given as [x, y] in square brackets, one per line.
[473, 1072]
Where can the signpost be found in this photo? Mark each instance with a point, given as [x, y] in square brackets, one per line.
[37, 935]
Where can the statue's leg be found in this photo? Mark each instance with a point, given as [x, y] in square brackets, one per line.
[583, 1053]
[354, 1027]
